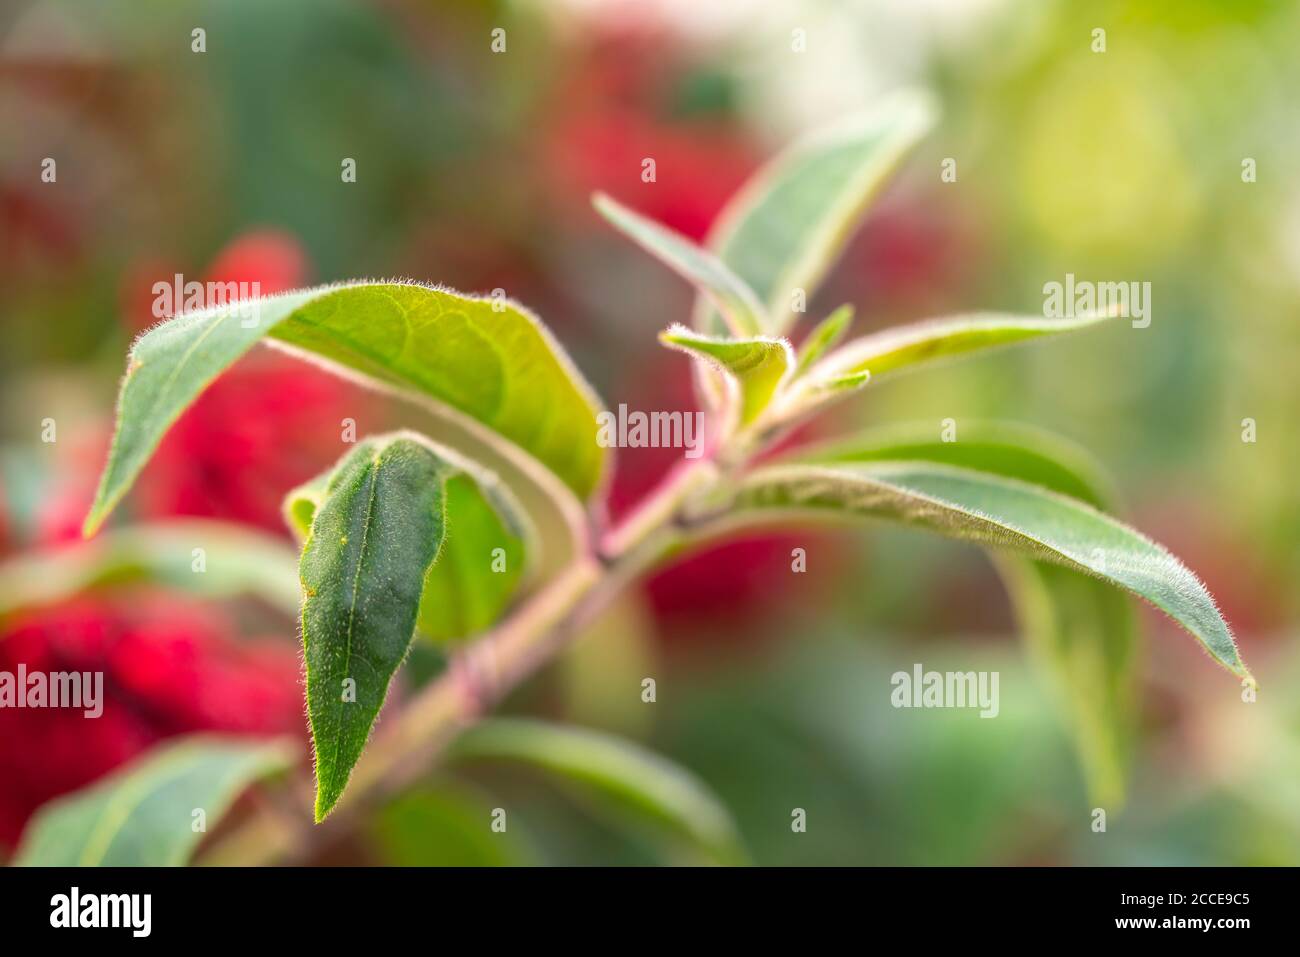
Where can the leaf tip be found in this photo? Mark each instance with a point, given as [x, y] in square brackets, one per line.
[611, 209]
[326, 798]
[850, 380]
[94, 521]
[843, 314]
[676, 335]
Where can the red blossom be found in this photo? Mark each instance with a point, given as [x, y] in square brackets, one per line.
[618, 107]
[169, 668]
[696, 168]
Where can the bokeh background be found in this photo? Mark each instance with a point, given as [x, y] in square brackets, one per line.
[474, 170]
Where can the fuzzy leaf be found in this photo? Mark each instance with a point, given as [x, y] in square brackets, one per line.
[903, 347]
[236, 560]
[726, 291]
[789, 223]
[1008, 449]
[1002, 512]
[825, 336]
[758, 366]
[142, 815]
[471, 583]
[633, 779]
[1079, 630]
[488, 362]
[839, 385]
[372, 541]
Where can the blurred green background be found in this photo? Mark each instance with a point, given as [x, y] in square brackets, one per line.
[473, 170]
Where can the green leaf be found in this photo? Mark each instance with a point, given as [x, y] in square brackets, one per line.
[636, 780]
[483, 361]
[1015, 451]
[825, 336]
[372, 541]
[142, 815]
[236, 560]
[471, 583]
[840, 385]
[1079, 630]
[904, 347]
[757, 366]
[1003, 512]
[789, 223]
[727, 292]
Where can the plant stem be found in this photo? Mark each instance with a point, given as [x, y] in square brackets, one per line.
[487, 670]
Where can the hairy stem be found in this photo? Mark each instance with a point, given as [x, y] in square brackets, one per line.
[485, 672]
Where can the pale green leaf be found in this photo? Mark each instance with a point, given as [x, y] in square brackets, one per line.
[142, 815]
[728, 293]
[235, 561]
[789, 223]
[839, 385]
[824, 337]
[486, 361]
[637, 781]
[373, 539]
[904, 347]
[1001, 512]
[758, 366]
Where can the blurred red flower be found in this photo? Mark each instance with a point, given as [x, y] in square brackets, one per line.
[169, 668]
[619, 106]
[697, 168]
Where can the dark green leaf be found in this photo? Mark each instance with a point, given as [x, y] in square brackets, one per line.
[373, 539]
[489, 546]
